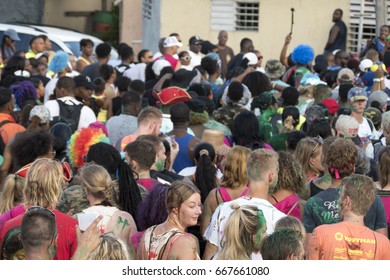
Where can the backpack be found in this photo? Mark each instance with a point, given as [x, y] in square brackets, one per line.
[69, 114]
[2, 143]
[121, 68]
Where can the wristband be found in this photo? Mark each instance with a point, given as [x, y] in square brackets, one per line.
[378, 80]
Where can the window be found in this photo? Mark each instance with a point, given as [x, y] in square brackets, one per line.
[247, 16]
[369, 23]
[233, 15]
[147, 9]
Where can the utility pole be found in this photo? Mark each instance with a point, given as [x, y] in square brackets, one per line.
[380, 13]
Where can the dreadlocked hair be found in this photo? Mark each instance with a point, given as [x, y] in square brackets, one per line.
[107, 156]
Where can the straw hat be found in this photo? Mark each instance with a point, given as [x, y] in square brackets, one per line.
[216, 138]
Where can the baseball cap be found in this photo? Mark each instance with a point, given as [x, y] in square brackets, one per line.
[12, 34]
[158, 65]
[195, 40]
[315, 112]
[374, 114]
[365, 64]
[331, 105]
[347, 126]
[171, 41]
[345, 75]
[301, 71]
[207, 47]
[83, 81]
[39, 55]
[379, 96]
[356, 93]
[311, 79]
[252, 58]
[368, 80]
[41, 112]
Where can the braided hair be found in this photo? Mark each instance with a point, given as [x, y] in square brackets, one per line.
[107, 156]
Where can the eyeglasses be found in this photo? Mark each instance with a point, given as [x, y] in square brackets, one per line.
[186, 58]
[319, 141]
[150, 57]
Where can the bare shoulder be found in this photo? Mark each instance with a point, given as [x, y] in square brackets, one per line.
[184, 247]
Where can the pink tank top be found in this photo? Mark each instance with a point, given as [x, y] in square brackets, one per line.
[226, 196]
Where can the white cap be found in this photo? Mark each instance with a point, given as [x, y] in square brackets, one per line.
[171, 41]
[365, 64]
[158, 65]
[251, 57]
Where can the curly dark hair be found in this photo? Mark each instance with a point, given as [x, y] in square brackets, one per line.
[341, 158]
[290, 174]
[28, 146]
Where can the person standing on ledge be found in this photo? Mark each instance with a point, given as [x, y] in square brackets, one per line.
[338, 33]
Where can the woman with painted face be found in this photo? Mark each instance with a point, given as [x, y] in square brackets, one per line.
[99, 189]
[169, 241]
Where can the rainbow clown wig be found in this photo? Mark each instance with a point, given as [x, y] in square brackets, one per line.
[80, 142]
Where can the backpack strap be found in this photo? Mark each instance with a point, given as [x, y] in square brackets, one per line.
[371, 124]
[73, 114]
[216, 195]
[162, 251]
[292, 208]
[4, 122]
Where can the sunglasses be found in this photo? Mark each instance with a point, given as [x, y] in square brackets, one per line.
[319, 141]
[68, 173]
[186, 58]
[259, 57]
[45, 211]
[36, 208]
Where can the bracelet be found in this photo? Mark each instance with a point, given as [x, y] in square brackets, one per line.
[378, 80]
[273, 86]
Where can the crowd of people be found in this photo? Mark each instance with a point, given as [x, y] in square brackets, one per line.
[198, 153]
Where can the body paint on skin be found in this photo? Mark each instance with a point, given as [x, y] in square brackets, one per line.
[160, 165]
[119, 222]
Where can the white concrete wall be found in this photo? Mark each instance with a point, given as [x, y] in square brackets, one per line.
[313, 20]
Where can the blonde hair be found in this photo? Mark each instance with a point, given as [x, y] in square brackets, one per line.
[234, 173]
[97, 181]
[290, 175]
[110, 248]
[361, 191]
[306, 149]
[293, 223]
[12, 193]
[148, 115]
[260, 162]
[241, 229]
[44, 182]
[179, 192]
